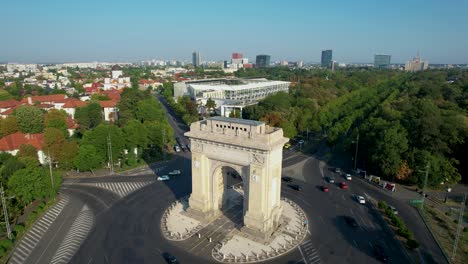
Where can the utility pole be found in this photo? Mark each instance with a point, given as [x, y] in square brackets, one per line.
[163, 143]
[459, 228]
[109, 153]
[425, 185]
[355, 155]
[5, 213]
[50, 169]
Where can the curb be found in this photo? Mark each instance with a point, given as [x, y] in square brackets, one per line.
[432, 234]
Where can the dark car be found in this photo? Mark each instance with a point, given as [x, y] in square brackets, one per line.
[169, 258]
[286, 179]
[331, 179]
[351, 221]
[324, 188]
[295, 187]
[379, 253]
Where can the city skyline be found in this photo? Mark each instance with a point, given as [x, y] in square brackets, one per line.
[114, 31]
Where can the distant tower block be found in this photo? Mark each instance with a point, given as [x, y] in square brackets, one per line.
[254, 151]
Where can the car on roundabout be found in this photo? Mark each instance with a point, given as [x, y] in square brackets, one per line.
[331, 179]
[163, 178]
[360, 199]
[343, 185]
[325, 188]
[351, 221]
[295, 187]
[348, 176]
[170, 259]
[379, 252]
[286, 179]
[174, 172]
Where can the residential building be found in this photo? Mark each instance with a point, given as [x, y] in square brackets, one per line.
[262, 61]
[416, 64]
[382, 61]
[196, 59]
[117, 81]
[327, 56]
[12, 143]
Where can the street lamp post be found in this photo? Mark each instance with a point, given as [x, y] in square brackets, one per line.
[355, 155]
[446, 193]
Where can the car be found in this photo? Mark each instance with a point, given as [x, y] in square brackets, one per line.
[170, 258]
[295, 187]
[163, 178]
[351, 221]
[176, 148]
[360, 199]
[379, 252]
[184, 148]
[331, 179]
[337, 170]
[188, 148]
[287, 146]
[325, 188]
[343, 185]
[348, 176]
[286, 179]
[174, 172]
[300, 142]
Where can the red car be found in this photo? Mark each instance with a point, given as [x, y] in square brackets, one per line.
[325, 188]
[343, 185]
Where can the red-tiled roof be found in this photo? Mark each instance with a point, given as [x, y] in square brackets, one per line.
[9, 103]
[14, 141]
[108, 104]
[71, 123]
[45, 105]
[73, 103]
[91, 90]
[55, 98]
[112, 94]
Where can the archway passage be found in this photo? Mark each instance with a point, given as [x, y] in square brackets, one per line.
[229, 189]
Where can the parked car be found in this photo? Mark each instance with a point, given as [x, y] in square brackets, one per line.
[169, 258]
[286, 179]
[337, 170]
[163, 178]
[176, 148]
[331, 179]
[301, 142]
[360, 199]
[287, 146]
[188, 148]
[348, 176]
[343, 185]
[379, 252]
[184, 148]
[295, 187]
[351, 221]
[174, 172]
[395, 211]
[325, 188]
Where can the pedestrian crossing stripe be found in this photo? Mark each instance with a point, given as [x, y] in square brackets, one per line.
[122, 189]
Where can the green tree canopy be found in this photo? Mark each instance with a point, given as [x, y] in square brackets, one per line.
[30, 119]
[87, 158]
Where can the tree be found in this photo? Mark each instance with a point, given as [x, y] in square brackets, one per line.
[235, 113]
[210, 104]
[135, 134]
[9, 167]
[8, 126]
[149, 110]
[32, 183]
[128, 104]
[56, 119]
[87, 158]
[60, 150]
[89, 116]
[98, 137]
[30, 119]
[27, 150]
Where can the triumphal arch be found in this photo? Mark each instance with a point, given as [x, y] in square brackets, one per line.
[251, 150]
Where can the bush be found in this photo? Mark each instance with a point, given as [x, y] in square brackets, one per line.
[404, 232]
[412, 244]
[455, 221]
[448, 213]
[6, 244]
[396, 221]
[19, 228]
[465, 229]
[383, 205]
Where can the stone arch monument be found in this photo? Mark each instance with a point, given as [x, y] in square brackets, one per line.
[254, 151]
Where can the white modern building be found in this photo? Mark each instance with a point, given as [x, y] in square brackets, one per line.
[234, 93]
[117, 81]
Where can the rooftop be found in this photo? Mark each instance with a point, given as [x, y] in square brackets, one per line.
[236, 120]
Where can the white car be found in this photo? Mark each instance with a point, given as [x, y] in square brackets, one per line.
[174, 172]
[361, 199]
[348, 176]
[163, 178]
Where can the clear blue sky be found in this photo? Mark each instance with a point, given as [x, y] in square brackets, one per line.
[84, 30]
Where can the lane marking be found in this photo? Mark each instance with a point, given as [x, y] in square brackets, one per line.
[303, 258]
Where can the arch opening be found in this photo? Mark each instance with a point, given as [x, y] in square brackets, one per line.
[229, 188]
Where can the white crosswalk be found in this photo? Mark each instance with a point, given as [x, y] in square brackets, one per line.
[310, 254]
[122, 189]
[75, 236]
[32, 237]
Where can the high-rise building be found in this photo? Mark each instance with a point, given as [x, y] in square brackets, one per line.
[382, 61]
[236, 55]
[416, 64]
[262, 61]
[327, 56]
[196, 59]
